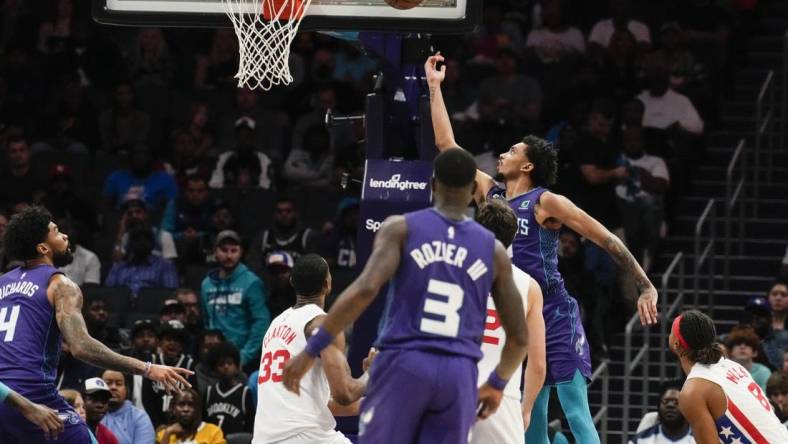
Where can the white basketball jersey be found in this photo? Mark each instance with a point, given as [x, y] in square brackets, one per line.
[494, 337]
[282, 414]
[750, 418]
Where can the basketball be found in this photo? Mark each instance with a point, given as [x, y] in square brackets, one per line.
[404, 4]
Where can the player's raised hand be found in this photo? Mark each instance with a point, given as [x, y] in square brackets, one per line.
[647, 306]
[170, 377]
[45, 418]
[489, 400]
[435, 76]
[295, 369]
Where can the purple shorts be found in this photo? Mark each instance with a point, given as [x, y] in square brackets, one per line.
[15, 429]
[419, 397]
[566, 343]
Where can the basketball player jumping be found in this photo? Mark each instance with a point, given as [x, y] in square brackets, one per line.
[527, 168]
[720, 400]
[328, 388]
[38, 305]
[442, 266]
[507, 425]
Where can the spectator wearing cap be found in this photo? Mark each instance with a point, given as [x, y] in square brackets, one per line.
[140, 181]
[243, 167]
[130, 424]
[269, 128]
[282, 294]
[312, 163]
[85, 269]
[64, 203]
[743, 345]
[134, 214]
[778, 300]
[172, 310]
[288, 234]
[140, 268]
[144, 344]
[172, 339]
[758, 314]
[17, 183]
[188, 217]
[234, 300]
[339, 239]
[97, 395]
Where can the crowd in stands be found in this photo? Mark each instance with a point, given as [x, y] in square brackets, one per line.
[187, 199]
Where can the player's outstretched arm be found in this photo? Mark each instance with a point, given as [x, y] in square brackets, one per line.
[559, 207]
[441, 123]
[345, 390]
[40, 415]
[66, 297]
[536, 369]
[693, 404]
[509, 304]
[380, 267]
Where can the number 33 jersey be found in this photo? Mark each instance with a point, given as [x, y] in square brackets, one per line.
[437, 300]
[750, 418]
[29, 334]
[282, 414]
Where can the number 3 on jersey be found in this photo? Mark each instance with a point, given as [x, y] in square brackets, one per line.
[446, 307]
[9, 325]
[278, 360]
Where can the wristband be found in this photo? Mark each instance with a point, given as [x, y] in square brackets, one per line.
[148, 366]
[4, 392]
[319, 340]
[496, 381]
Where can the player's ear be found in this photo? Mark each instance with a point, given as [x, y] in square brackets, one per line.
[527, 167]
[42, 249]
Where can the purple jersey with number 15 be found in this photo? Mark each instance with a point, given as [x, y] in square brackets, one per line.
[437, 301]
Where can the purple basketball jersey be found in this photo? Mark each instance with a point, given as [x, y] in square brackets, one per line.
[437, 301]
[535, 251]
[29, 335]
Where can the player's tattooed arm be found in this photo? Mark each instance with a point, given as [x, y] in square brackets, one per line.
[67, 298]
[553, 207]
[441, 124]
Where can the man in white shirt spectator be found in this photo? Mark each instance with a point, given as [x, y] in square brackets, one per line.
[671, 427]
[86, 267]
[244, 166]
[640, 196]
[665, 108]
[622, 18]
[556, 39]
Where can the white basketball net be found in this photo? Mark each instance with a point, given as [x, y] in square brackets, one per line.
[264, 45]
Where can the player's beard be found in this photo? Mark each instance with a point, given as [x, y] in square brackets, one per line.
[63, 258]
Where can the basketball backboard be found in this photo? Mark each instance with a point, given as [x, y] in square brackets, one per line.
[432, 16]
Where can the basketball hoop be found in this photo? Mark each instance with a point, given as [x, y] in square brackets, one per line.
[265, 30]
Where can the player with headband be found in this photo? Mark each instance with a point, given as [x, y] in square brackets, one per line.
[720, 400]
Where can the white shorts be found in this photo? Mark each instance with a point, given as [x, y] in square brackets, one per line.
[505, 426]
[317, 437]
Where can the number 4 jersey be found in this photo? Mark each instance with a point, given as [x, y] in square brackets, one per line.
[750, 418]
[29, 334]
[437, 301]
[280, 413]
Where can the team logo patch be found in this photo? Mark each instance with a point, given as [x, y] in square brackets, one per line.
[69, 417]
[366, 418]
[525, 204]
[451, 232]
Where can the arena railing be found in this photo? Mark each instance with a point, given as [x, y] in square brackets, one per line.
[669, 309]
[765, 115]
[733, 196]
[705, 253]
[601, 417]
[630, 364]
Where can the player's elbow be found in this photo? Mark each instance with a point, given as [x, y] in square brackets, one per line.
[519, 339]
[343, 397]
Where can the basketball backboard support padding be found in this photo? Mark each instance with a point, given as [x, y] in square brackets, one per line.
[431, 17]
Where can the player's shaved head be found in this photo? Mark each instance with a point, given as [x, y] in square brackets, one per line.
[455, 168]
[309, 275]
[497, 217]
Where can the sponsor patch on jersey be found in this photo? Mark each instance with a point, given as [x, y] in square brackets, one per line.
[525, 204]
